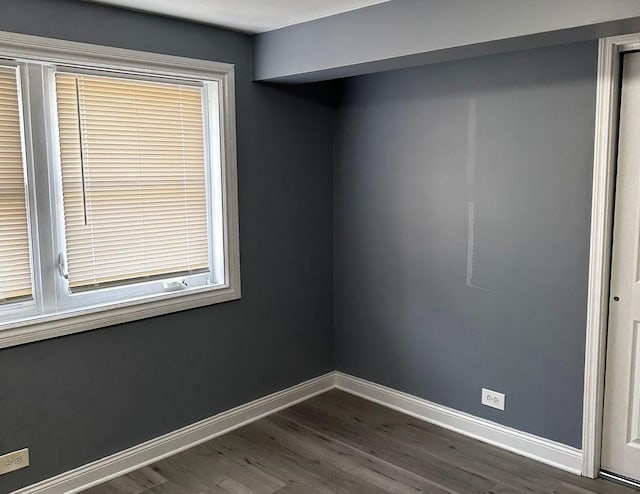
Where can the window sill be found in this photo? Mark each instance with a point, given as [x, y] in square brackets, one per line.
[39, 328]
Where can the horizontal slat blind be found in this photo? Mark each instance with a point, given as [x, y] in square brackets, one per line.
[133, 179]
[15, 259]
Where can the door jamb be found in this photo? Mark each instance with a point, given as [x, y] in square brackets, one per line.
[604, 165]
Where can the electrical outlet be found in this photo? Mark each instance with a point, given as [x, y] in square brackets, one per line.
[493, 399]
[14, 461]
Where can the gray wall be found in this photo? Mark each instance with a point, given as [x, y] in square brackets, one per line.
[405, 33]
[78, 398]
[421, 308]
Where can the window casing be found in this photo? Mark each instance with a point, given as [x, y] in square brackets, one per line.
[130, 186]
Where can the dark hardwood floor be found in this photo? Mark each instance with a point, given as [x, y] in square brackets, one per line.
[338, 443]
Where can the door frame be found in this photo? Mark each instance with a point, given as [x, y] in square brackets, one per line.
[603, 197]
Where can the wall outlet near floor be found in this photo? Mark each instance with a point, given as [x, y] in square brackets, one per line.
[493, 399]
[14, 461]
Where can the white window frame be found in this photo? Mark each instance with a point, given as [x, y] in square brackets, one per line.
[68, 300]
[66, 313]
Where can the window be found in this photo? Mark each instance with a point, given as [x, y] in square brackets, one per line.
[15, 257]
[133, 180]
[117, 187]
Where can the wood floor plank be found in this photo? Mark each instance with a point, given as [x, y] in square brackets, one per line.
[367, 468]
[218, 471]
[337, 443]
[135, 482]
[169, 488]
[378, 428]
[380, 443]
[325, 476]
[291, 468]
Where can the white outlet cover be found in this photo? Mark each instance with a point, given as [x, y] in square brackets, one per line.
[14, 461]
[493, 399]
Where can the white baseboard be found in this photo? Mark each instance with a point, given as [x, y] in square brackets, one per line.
[156, 449]
[105, 469]
[525, 444]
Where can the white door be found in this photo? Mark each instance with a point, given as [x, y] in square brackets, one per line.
[621, 433]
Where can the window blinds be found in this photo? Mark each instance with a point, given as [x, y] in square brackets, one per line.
[133, 179]
[15, 258]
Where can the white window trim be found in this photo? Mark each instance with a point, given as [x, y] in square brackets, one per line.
[32, 48]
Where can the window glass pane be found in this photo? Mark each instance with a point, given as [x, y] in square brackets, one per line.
[133, 179]
[15, 258]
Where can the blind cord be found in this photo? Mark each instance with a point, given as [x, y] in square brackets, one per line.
[84, 194]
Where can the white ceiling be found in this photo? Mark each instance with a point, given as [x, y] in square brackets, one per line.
[252, 16]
